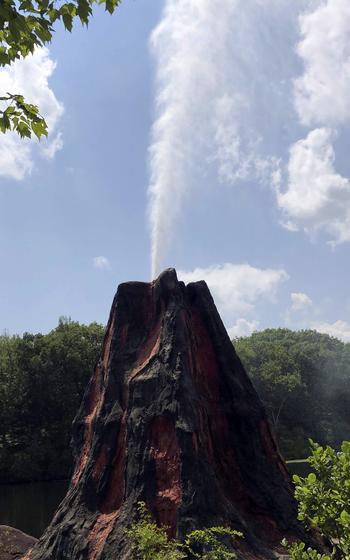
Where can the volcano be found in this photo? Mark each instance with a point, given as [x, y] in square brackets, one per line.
[171, 418]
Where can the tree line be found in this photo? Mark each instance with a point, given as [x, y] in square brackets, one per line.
[302, 377]
[42, 380]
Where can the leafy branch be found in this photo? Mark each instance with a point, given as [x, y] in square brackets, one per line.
[21, 117]
[324, 502]
[25, 25]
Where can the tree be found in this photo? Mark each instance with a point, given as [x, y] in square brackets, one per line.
[324, 502]
[42, 380]
[303, 379]
[25, 25]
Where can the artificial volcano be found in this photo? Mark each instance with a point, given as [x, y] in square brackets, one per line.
[171, 418]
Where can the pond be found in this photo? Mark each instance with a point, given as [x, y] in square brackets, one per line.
[30, 507]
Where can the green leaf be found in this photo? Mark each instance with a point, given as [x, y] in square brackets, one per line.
[10, 110]
[68, 21]
[111, 5]
[23, 129]
[311, 478]
[39, 129]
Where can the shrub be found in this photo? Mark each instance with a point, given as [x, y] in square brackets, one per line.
[324, 502]
[150, 542]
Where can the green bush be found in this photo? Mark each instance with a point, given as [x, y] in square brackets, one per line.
[150, 542]
[324, 502]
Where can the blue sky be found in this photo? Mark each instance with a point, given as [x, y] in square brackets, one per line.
[209, 136]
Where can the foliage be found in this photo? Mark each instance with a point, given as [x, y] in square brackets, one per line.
[42, 380]
[150, 542]
[324, 495]
[211, 543]
[25, 25]
[299, 551]
[303, 379]
[324, 501]
[21, 117]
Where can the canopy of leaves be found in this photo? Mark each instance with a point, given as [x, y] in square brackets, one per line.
[25, 25]
[303, 379]
[42, 380]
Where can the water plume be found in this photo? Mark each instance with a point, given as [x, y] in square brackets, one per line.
[222, 71]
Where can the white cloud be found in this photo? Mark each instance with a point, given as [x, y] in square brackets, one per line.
[300, 301]
[29, 77]
[102, 263]
[338, 329]
[15, 157]
[53, 146]
[322, 92]
[243, 328]
[317, 198]
[236, 289]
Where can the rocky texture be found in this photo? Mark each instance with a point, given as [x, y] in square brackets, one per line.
[14, 543]
[170, 417]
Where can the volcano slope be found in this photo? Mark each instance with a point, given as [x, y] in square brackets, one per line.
[171, 418]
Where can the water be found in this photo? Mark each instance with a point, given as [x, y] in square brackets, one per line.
[30, 507]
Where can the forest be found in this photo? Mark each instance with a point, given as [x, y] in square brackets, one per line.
[302, 377]
[42, 380]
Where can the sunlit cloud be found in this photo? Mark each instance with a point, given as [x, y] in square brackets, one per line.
[30, 77]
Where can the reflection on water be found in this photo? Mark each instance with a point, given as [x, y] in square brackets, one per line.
[30, 507]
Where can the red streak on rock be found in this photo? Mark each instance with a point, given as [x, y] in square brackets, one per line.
[271, 449]
[100, 533]
[27, 555]
[165, 452]
[214, 430]
[94, 404]
[148, 303]
[205, 370]
[148, 350]
[116, 484]
[195, 442]
[108, 341]
[100, 463]
[123, 336]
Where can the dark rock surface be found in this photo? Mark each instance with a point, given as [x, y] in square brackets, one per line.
[13, 543]
[170, 417]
